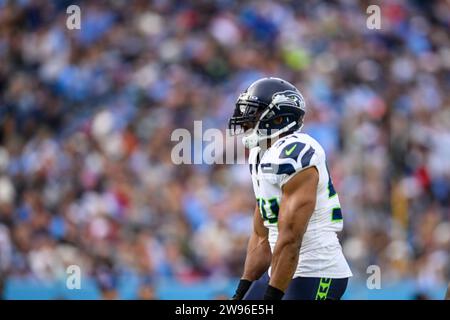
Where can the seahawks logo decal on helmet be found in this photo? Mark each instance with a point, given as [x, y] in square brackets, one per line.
[288, 96]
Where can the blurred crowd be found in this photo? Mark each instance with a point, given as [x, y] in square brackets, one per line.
[86, 116]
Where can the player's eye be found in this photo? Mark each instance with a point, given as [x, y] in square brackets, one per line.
[278, 120]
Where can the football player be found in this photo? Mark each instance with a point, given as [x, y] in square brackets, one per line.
[293, 251]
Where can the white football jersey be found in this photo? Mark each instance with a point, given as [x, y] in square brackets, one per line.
[320, 253]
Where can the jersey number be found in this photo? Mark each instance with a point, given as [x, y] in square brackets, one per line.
[269, 209]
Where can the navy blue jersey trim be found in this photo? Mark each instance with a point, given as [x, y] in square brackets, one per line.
[285, 168]
[306, 159]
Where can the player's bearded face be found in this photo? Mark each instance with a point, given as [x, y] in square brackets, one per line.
[248, 126]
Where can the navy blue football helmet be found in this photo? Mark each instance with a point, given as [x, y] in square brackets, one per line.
[268, 108]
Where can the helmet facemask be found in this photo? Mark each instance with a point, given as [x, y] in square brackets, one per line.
[284, 114]
[246, 115]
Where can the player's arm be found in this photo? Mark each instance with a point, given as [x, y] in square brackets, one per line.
[297, 205]
[258, 250]
[258, 256]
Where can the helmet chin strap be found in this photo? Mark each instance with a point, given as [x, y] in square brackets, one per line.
[252, 140]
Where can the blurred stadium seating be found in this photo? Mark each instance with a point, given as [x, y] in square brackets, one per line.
[86, 115]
